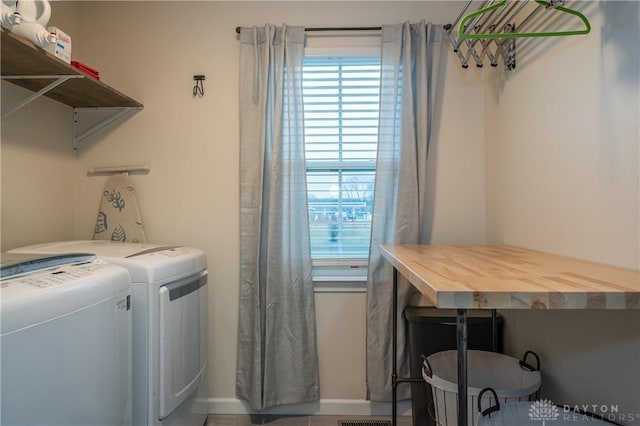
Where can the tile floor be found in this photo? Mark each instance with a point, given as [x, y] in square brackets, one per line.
[271, 420]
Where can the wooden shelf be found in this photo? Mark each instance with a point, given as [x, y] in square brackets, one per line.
[20, 57]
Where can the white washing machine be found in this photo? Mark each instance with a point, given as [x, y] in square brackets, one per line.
[65, 341]
[169, 304]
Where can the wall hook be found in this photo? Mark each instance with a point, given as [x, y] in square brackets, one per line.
[198, 89]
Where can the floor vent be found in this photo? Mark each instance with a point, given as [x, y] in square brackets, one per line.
[364, 422]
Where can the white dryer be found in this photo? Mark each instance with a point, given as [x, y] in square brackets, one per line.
[65, 341]
[169, 303]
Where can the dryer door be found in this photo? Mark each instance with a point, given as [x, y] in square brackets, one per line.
[182, 338]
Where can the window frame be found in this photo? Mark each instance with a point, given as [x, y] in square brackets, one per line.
[341, 275]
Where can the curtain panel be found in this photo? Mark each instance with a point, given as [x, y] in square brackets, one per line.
[277, 360]
[411, 60]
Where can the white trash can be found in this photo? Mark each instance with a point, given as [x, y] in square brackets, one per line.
[529, 413]
[512, 379]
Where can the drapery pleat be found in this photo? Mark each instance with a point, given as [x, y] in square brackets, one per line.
[277, 360]
[411, 59]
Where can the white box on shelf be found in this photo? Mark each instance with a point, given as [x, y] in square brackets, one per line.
[61, 48]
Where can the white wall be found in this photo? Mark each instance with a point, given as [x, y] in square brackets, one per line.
[38, 171]
[561, 168]
[563, 176]
[150, 51]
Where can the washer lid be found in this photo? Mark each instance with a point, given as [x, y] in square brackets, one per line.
[147, 263]
[32, 298]
[20, 263]
[102, 248]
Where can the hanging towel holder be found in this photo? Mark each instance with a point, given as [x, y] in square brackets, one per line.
[142, 169]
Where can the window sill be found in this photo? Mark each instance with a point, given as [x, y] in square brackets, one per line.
[340, 275]
[340, 284]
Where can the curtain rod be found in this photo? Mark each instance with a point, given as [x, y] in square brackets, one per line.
[334, 29]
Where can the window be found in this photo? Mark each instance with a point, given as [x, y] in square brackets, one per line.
[341, 102]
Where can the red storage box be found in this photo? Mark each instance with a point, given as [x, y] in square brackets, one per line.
[86, 69]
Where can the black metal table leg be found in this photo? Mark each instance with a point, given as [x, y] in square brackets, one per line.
[494, 330]
[394, 366]
[461, 328]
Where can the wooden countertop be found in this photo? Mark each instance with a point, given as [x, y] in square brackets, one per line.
[506, 277]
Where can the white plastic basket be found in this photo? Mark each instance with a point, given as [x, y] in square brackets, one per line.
[512, 379]
[535, 412]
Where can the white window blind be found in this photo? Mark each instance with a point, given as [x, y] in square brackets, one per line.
[341, 110]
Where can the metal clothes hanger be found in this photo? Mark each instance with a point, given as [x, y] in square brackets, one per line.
[501, 35]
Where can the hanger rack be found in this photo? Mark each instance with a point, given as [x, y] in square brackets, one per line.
[491, 30]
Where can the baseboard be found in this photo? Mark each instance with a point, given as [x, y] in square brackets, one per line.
[328, 407]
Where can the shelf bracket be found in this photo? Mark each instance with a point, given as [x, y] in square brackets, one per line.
[78, 137]
[58, 80]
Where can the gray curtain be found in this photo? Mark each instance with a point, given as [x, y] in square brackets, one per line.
[277, 359]
[412, 56]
